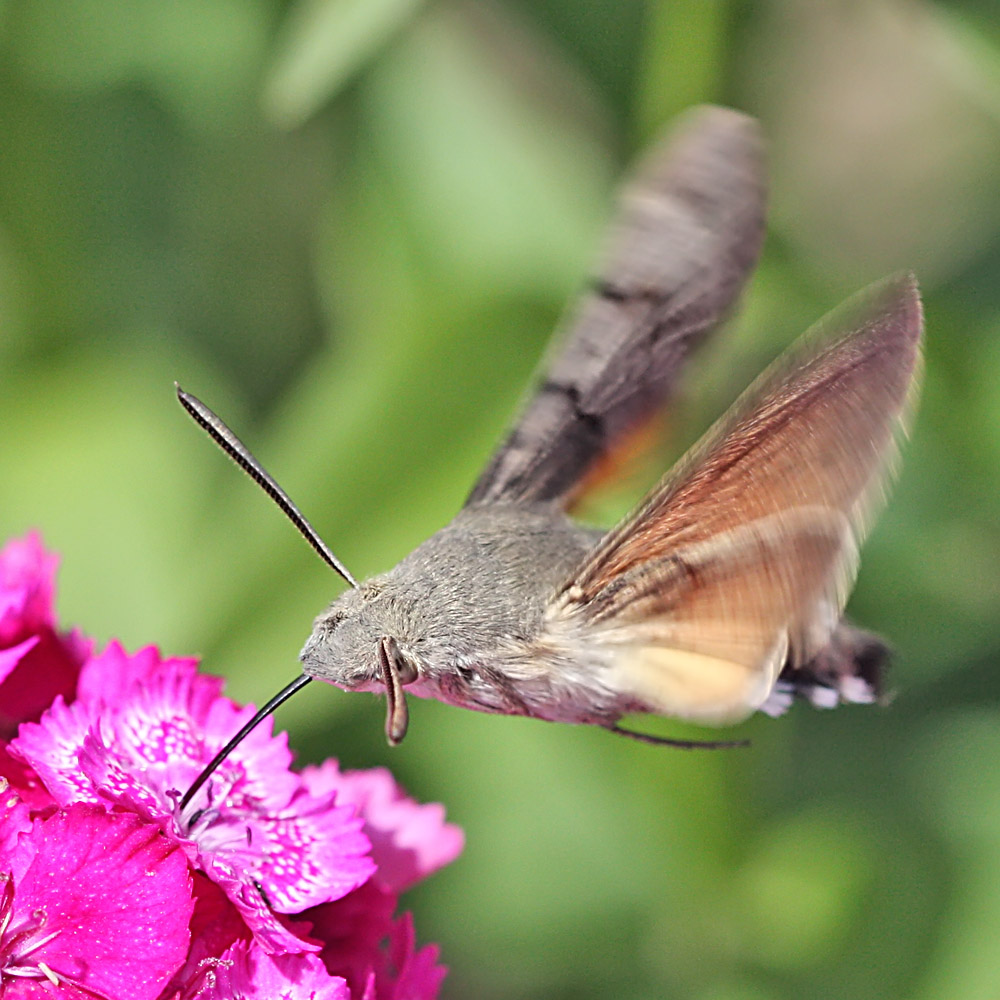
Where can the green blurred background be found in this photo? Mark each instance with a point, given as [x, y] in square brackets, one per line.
[350, 225]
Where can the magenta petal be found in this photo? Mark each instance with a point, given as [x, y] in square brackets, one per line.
[15, 824]
[376, 968]
[12, 656]
[409, 840]
[52, 747]
[23, 780]
[215, 926]
[259, 767]
[255, 824]
[353, 931]
[46, 670]
[36, 662]
[248, 973]
[268, 930]
[27, 573]
[114, 894]
[319, 853]
[418, 976]
[109, 676]
[118, 784]
[133, 751]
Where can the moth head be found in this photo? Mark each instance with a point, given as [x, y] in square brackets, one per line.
[354, 645]
[342, 648]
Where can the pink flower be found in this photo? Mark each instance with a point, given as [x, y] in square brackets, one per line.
[93, 902]
[20, 777]
[355, 932]
[36, 662]
[15, 820]
[406, 973]
[109, 889]
[138, 735]
[409, 841]
[249, 973]
[376, 955]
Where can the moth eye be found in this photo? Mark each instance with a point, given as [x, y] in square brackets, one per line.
[406, 669]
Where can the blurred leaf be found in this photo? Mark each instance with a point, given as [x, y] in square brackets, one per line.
[324, 42]
[200, 55]
[804, 888]
[100, 466]
[502, 176]
[849, 95]
[954, 773]
[603, 38]
[738, 991]
[684, 50]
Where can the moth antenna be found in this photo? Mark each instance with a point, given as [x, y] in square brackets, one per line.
[240, 454]
[663, 741]
[279, 699]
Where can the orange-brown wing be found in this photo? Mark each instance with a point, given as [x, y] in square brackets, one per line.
[747, 550]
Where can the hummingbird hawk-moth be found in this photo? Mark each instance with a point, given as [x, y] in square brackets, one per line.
[722, 593]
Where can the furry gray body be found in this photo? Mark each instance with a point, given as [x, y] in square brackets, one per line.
[466, 609]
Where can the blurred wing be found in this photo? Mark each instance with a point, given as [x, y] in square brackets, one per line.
[687, 234]
[745, 554]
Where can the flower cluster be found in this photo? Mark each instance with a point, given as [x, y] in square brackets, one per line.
[269, 883]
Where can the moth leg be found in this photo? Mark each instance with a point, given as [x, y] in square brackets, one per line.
[663, 741]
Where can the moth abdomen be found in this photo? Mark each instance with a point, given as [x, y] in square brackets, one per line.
[849, 669]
